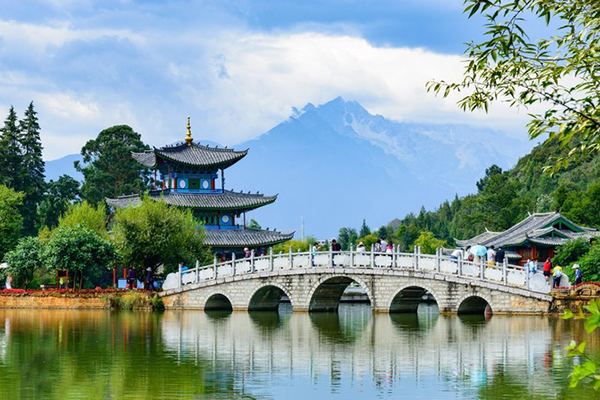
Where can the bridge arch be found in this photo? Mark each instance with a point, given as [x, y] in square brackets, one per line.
[326, 293]
[409, 296]
[475, 304]
[267, 297]
[217, 301]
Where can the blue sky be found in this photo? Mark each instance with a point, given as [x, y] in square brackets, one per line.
[236, 67]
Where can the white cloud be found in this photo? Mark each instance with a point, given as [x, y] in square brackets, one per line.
[235, 84]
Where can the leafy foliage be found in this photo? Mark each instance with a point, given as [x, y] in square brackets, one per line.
[88, 216]
[79, 250]
[11, 221]
[155, 233]
[589, 369]
[59, 195]
[509, 66]
[24, 260]
[346, 237]
[429, 244]
[108, 169]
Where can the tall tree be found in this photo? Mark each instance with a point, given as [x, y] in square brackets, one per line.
[561, 72]
[59, 195]
[11, 154]
[108, 168]
[364, 229]
[11, 221]
[33, 169]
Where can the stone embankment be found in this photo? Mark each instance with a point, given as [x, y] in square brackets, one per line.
[575, 297]
[86, 299]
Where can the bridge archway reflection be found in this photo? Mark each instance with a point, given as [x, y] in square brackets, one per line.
[328, 294]
[218, 302]
[346, 326]
[413, 299]
[475, 305]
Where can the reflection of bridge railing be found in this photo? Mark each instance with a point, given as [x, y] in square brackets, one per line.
[506, 274]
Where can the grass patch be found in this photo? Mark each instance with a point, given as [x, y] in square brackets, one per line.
[134, 301]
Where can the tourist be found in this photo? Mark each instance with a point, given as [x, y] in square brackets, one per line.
[578, 275]
[557, 274]
[500, 254]
[456, 254]
[389, 249]
[361, 247]
[247, 253]
[9, 281]
[491, 255]
[149, 282]
[531, 266]
[470, 256]
[335, 248]
[548, 269]
[131, 279]
[378, 246]
[383, 245]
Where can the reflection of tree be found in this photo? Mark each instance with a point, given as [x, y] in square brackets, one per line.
[345, 326]
[414, 321]
[95, 354]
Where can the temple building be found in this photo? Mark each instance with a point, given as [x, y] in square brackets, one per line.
[191, 175]
[537, 236]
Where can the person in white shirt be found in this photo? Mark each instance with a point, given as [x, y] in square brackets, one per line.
[456, 254]
[491, 255]
[360, 248]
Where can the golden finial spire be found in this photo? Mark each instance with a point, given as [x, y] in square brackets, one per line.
[188, 137]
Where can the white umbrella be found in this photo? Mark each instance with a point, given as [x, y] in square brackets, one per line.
[3, 265]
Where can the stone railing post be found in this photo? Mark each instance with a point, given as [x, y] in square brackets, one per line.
[438, 260]
[505, 271]
[291, 258]
[197, 271]
[311, 256]
[415, 258]
[252, 261]
[459, 261]
[179, 279]
[351, 255]
[271, 261]
[481, 268]
[372, 256]
[527, 277]
[233, 264]
[215, 268]
[394, 256]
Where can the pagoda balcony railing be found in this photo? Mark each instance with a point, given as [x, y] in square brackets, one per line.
[203, 191]
[438, 264]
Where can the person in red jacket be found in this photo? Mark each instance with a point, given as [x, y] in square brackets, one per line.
[548, 269]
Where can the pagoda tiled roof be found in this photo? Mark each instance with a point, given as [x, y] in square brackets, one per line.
[227, 200]
[195, 155]
[535, 229]
[246, 237]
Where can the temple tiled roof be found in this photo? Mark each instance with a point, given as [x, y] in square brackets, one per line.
[537, 228]
[227, 200]
[195, 155]
[246, 237]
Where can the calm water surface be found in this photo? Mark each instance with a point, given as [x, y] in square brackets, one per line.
[352, 355]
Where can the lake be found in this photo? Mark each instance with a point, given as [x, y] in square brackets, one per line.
[56, 354]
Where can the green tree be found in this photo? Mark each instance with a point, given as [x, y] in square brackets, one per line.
[347, 236]
[155, 233]
[429, 243]
[11, 221]
[81, 251]
[510, 66]
[108, 169]
[11, 155]
[59, 195]
[24, 260]
[33, 169]
[364, 229]
[254, 224]
[88, 216]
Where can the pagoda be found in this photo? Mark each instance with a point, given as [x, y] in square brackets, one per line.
[187, 175]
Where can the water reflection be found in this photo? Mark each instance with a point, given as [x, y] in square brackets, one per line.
[354, 354]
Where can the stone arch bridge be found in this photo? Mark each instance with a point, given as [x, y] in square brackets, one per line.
[396, 282]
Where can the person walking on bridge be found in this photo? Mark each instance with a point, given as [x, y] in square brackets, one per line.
[578, 275]
[336, 249]
[548, 269]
